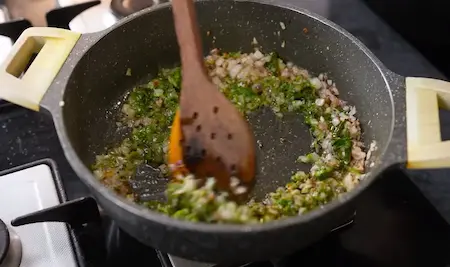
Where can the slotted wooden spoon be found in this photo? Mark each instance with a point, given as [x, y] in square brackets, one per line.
[209, 136]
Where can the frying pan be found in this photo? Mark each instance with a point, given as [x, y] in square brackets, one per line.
[79, 80]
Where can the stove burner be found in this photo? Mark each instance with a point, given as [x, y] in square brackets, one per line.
[10, 247]
[4, 241]
[128, 7]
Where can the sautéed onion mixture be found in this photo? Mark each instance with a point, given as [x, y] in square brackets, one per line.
[251, 81]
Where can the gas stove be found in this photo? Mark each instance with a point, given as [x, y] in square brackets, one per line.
[393, 225]
[47, 217]
[47, 244]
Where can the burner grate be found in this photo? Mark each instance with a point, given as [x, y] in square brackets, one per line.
[172, 261]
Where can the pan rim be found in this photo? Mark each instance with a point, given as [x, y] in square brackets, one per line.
[138, 210]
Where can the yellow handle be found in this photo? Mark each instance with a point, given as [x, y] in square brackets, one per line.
[425, 147]
[52, 47]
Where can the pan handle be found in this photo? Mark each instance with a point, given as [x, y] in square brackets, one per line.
[26, 86]
[425, 147]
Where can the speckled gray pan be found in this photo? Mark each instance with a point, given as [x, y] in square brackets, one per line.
[93, 80]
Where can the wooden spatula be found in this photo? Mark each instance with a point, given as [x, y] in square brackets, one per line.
[209, 137]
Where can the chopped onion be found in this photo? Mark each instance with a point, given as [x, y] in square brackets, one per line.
[320, 102]
[316, 83]
[257, 55]
[235, 71]
[219, 61]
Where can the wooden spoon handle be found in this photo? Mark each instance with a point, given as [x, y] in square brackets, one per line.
[189, 41]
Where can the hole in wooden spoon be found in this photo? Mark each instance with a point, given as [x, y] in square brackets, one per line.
[233, 168]
[215, 110]
[195, 115]
[198, 128]
[230, 136]
[213, 136]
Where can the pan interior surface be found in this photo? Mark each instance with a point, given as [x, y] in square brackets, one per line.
[132, 54]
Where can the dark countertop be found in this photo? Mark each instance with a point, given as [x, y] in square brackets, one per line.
[420, 23]
[27, 136]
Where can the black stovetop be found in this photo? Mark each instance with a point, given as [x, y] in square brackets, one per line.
[394, 224]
